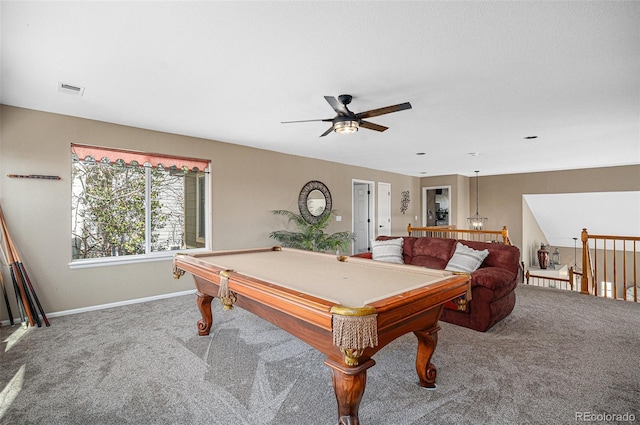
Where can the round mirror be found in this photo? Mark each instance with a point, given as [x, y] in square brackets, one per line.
[316, 204]
[314, 201]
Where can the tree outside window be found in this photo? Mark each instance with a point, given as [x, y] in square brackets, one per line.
[125, 207]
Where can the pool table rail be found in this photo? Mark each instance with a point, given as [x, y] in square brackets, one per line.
[410, 306]
[305, 307]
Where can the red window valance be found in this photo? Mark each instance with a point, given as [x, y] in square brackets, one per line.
[85, 152]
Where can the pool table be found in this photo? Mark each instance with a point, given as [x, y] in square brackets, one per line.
[345, 307]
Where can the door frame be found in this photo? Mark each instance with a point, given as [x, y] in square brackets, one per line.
[424, 202]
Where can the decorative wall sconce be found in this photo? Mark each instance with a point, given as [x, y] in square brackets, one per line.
[404, 202]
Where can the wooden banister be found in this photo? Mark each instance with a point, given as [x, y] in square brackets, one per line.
[466, 234]
[587, 276]
[595, 270]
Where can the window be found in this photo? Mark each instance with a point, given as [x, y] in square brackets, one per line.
[127, 203]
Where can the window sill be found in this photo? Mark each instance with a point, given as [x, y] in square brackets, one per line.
[130, 259]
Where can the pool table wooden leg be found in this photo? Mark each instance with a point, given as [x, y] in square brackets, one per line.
[204, 305]
[427, 341]
[348, 384]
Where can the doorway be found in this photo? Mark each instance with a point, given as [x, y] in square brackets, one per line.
[436, 206]
[362, 226]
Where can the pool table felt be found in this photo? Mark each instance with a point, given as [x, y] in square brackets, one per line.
[353, 283]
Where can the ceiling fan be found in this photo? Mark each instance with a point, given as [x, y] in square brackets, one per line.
[347, 122]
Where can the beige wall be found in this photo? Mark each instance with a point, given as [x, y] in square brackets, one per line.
[246, 185]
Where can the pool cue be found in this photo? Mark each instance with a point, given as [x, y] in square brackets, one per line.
[6, 299]
[25, 279]
[25, 276]
[16, 291]
[33, 176]
[24, 302]
[15, 275]
[29, 294]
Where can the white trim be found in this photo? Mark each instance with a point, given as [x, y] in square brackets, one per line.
[424, 202]
[131, 259]
[147, 209]
[202, 188]
[109, 305]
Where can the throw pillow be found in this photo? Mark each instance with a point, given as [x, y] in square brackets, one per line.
[466, 259]
[389, 250]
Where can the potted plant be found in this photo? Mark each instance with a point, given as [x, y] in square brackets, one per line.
[311, 236]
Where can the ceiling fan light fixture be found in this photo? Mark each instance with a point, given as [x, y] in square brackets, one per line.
[347, 122]
[346, 127]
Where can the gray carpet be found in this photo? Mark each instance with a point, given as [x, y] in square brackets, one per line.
[558, 354]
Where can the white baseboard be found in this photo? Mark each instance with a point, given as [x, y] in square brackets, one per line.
[109, 305]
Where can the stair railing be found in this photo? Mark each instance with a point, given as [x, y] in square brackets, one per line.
[610, 266]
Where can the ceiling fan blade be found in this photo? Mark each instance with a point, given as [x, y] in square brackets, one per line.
[337, 106]
[290, 122]
[385, 110]
[372, 126]
[327, 132]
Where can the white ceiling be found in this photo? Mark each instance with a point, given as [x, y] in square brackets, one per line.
[481, 76]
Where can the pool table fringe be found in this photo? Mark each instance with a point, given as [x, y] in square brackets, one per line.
[354, 333]
[226, 296]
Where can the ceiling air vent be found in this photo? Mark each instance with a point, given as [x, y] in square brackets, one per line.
[69, 89]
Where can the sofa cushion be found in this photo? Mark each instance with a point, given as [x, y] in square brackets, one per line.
[466, 259]
[484, 314]
[433, 253]
[429, 262]
[389, 251]
[493, 278]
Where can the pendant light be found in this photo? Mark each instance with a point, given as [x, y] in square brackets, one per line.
[476, 221]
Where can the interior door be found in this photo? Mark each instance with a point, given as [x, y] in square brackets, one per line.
[384, 209]
[361, 217]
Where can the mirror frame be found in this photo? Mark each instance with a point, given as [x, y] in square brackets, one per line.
[304, 195]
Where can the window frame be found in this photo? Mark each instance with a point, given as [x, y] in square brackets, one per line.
[203, 207]
[202, 186]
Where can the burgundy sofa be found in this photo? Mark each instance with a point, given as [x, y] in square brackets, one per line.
[492, 284]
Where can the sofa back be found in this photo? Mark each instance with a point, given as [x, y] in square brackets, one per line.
[434, 253]
[500, 255]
